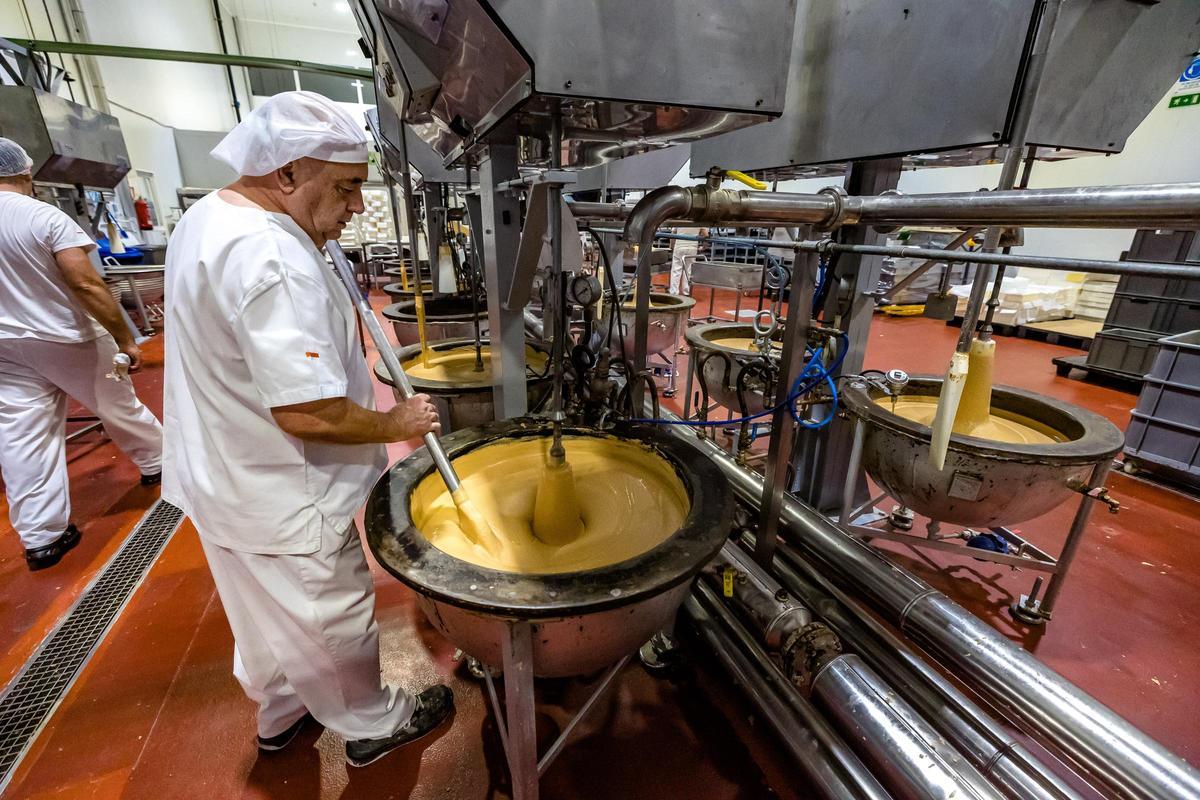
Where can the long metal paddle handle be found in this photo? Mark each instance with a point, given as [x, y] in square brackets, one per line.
[346, 273]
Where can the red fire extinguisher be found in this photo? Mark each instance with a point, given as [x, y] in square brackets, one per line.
[142, 209]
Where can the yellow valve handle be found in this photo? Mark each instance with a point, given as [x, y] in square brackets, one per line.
[727, 581]
[753, 183]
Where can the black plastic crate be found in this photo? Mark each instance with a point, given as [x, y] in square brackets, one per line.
[1169, 401]
[1183, 315]
[1169, 447]
[1186, 289]
[1178, 359]
[1133, 312]
[1167, 246]
[1146, 285]
[1164, 431]
[1125, 351]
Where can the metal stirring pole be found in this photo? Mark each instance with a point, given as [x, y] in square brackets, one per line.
[555, 294]
[346, 273]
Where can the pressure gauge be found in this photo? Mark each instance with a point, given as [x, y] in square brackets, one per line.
[584, 290]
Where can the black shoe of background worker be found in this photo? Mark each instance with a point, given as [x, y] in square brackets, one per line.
[433, 706]
[49, 555]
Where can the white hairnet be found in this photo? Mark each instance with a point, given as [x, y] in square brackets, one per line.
[289, 126]
[13, 159]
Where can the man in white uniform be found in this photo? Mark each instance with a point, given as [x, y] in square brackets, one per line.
[59, 331]
[272, 441]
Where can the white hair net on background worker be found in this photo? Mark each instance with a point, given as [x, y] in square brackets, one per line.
[13, 159]
[290, 126]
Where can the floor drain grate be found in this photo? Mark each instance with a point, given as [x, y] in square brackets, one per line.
[35, 692]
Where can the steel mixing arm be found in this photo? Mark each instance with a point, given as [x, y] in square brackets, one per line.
[346, 272]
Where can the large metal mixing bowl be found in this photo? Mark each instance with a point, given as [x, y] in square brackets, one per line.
[725, 275]
[582, 621]
[985, 483]
[397, 291]
[719, 366]
[448, 317]
[668, 319]
[462, 404]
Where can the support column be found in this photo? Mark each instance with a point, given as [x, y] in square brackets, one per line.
[822, 456]
[501, 233]
[434, 222]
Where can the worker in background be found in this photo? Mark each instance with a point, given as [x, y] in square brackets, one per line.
[272, 437]
[59, 331]
[683, 253]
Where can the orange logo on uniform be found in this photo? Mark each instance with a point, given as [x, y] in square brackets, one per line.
[312, 355]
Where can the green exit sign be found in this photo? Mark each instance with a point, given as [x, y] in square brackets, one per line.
[1185, 100]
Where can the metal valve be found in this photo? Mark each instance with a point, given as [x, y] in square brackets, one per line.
[1098, 493]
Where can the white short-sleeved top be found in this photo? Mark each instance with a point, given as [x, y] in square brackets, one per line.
[256, 319]
[35, 301]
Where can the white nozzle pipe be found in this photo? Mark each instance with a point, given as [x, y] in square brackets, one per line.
[947, 409]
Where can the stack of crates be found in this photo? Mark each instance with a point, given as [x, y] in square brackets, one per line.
[1164, 432]
[1145, 309]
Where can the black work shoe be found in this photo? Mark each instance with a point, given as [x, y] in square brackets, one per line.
[269, 744]
[433, 706]
[152, 480]
[49, 555]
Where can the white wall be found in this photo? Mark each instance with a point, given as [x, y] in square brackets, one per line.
[176, 94]
[285, 40]
[1165, 148]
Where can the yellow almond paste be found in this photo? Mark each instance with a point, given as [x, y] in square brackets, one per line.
[630, 499]
[742, 343]
[1001, 426]
[457, 365]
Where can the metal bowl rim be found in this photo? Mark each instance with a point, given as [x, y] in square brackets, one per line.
[1101, 438]
[443, 578]
[428, 384]
[394, 313]
[695, 337]
[684, 303]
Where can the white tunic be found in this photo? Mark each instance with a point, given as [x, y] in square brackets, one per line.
[35, 301]
[256, 319]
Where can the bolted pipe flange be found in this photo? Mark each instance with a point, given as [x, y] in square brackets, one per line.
[841, 214]
[806, 650]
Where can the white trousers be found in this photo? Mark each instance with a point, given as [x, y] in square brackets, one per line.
[682, 256]
[305, 637]
[35, 379]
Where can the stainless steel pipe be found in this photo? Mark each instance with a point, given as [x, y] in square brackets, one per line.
[1150, 269]
[988, 745]
[1090, 736]
[757, 593]
[904, 751]
[1060, 263]
[828, 763]
[908, 756]
[1162, 205]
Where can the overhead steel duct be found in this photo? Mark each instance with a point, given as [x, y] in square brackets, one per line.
[465, 71]
[68, 143]
[877, 78]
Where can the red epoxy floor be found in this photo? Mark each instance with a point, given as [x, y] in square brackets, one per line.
[157, 713]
